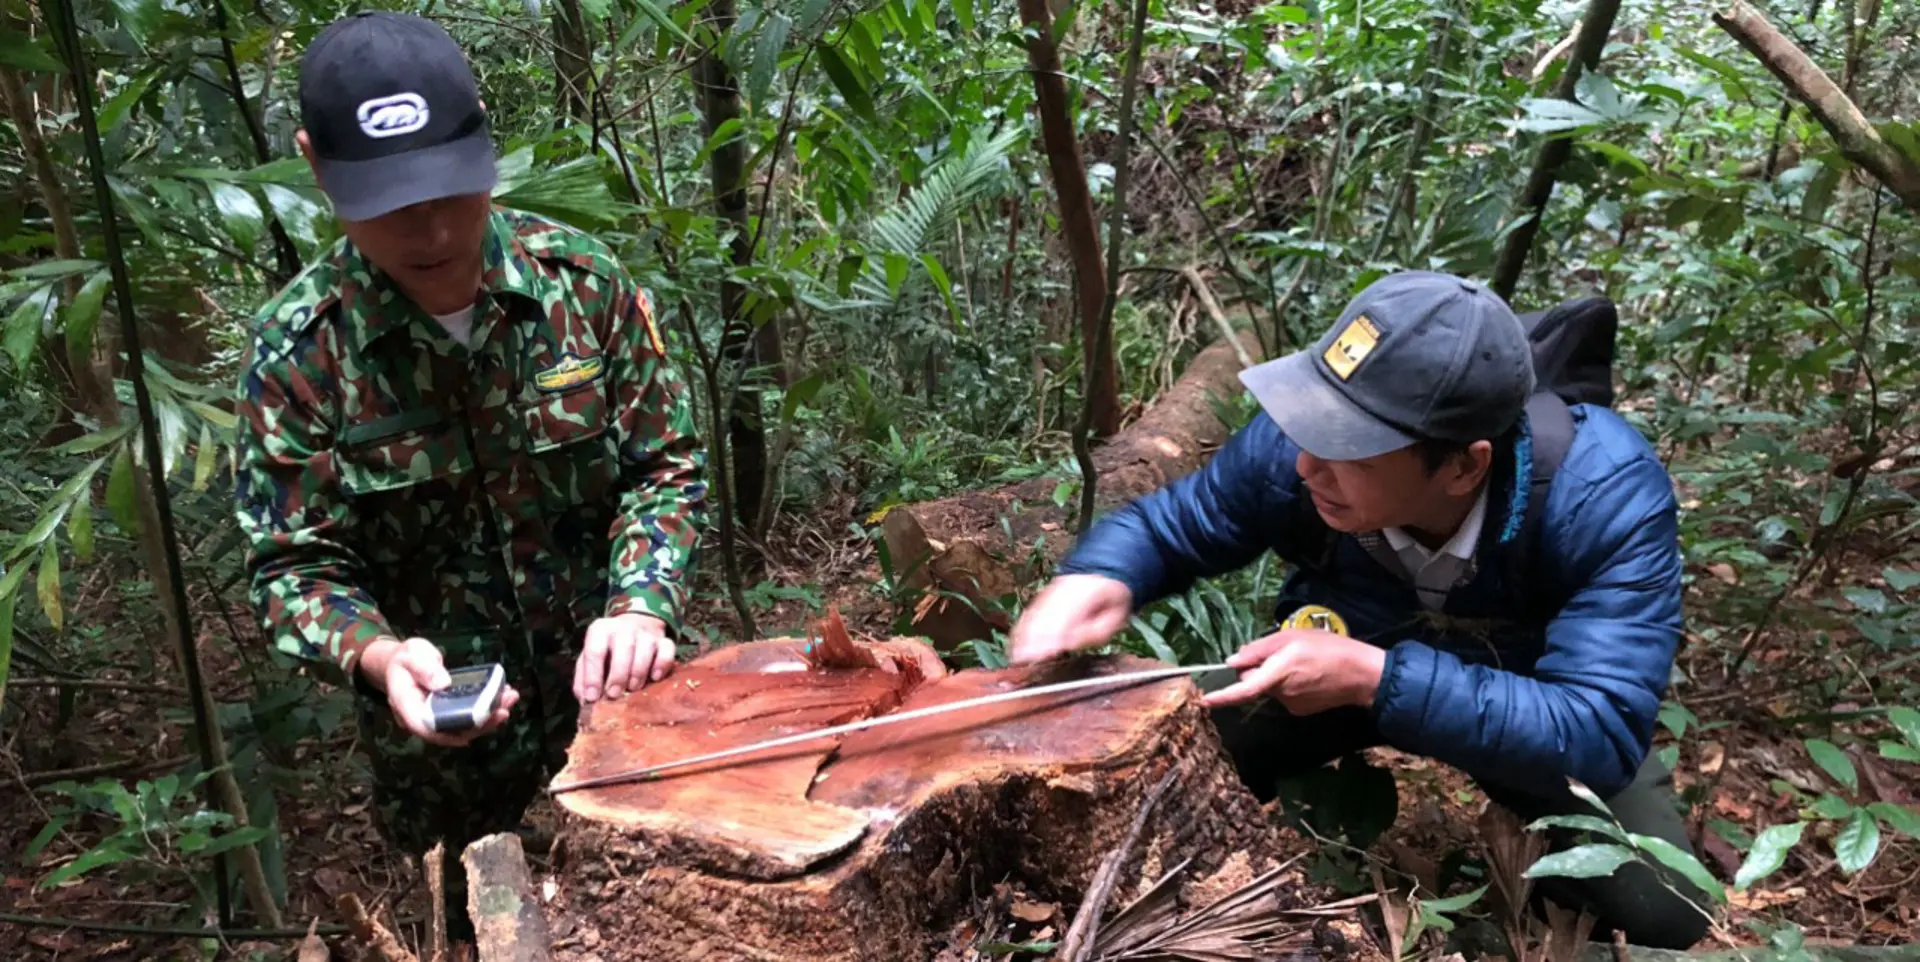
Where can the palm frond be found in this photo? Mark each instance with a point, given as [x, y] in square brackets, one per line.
[1245, 924]
[927, 215]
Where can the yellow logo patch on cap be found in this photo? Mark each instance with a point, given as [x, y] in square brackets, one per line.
[572, 371]
[1352, 346]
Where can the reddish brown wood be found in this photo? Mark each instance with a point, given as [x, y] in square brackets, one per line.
[871, 847]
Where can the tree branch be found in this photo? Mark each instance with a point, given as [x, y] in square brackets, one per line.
[1830, 105]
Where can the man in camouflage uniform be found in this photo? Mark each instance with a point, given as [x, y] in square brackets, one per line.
[461, 442]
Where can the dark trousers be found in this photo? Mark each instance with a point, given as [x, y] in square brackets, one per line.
[1269, 744]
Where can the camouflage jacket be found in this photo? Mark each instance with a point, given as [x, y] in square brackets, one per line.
[393, 482]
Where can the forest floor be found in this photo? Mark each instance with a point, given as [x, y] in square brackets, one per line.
[333, 846]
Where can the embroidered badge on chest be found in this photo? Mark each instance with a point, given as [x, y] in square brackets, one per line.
[1352, 346]
[572, 371]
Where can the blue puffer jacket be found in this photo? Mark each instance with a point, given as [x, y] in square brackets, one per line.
[1520, 684]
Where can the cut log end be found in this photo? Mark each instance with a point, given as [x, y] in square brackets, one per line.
[867, 846]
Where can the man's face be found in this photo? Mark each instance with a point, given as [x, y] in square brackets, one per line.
[432, 250]
[1389, 490]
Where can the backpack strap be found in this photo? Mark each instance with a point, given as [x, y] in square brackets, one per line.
[1550, 435]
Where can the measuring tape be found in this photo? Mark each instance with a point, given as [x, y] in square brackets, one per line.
[1315, 618]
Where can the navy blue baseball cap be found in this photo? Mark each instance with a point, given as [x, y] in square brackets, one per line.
[392, 111]
[1417, 355]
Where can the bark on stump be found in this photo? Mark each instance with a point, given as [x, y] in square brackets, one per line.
[872, 845]
[958, 545]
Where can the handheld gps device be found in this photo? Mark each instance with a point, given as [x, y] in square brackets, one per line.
[469, 701]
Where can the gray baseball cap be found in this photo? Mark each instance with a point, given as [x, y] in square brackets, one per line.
[1416, 355]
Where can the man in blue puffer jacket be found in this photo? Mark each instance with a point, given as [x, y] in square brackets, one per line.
[1391, 467]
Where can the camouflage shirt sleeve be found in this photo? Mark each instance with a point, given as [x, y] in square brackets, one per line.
[303, 568]
[663, 503]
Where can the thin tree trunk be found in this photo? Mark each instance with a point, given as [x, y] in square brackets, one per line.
[1851, 130]
[1866, 15]
[285, 253]
[157, 538]
[1076, 213]
[1120, 159]
[572, 63]
[1402, 196]
[1594, 28]
[84, 381]
[740, 345]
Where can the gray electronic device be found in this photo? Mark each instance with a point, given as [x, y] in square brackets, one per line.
[469, 701]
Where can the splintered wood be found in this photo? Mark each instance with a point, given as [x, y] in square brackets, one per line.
[864, 846]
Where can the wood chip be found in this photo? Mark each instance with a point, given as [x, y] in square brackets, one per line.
[1027, 911]
[1724, 572]
[1712, 758]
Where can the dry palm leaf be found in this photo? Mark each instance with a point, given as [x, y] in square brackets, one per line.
[1245, 924]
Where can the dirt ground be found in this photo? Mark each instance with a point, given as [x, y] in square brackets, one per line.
[333, 847]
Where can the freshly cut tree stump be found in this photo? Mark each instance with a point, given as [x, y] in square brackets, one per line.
[981, 545]
[869, 845]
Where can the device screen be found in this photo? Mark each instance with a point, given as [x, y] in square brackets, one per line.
[467, 682]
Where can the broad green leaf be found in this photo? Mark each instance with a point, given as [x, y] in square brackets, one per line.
[1156, 642]
[1819, 195]
[845, 81]
[90, 859]
[595, 11]
[1907, 721]
[223, 420]
[1869, 600]
[94, 441]
[22, 333]
[83, 315]
[1899, 752]
[1858, 843]
[240, 214]
[1682, 861]
[80, 530]
[1596, 91]
[120, 493]
[1833, 806]
[1455, 903]
[205, 458]
[1586, 794]
[1675, 717]
[54, 270]
[295, 212]
[117, 108]
[1769, 853]
[963, 10]
[138, 18]
[1547, 114]
[48, 587]
[1580, 823]
[1902, 579]
[19, 50]
[653, 12]
[801, 393]
[1835, 762]
[896, 265]
[938, 275]
[1583, 861]
[1900, 818]
[1616, 153]
[766, 55]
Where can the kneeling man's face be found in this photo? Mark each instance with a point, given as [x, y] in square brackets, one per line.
[1391, 490]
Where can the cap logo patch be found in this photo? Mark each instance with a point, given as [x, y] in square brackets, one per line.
[394, 115]
[1352, 346]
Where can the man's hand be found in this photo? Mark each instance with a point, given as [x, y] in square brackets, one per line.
[621, 654]
[1308, 671]
[410, 671]
[1071, 613]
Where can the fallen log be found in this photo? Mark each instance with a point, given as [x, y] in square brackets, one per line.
[963, 555]
[871, 846]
